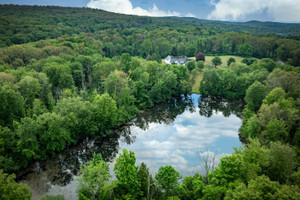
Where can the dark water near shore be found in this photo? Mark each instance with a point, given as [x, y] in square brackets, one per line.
[175, 133]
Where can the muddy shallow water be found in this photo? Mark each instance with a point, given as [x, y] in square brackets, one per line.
[175, 133]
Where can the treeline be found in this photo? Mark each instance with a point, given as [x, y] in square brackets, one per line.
[116, 34]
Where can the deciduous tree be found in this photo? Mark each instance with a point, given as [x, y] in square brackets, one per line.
[255, 95]
[10, 190]
[216, 61]
[168, 179]
[200, 56]
[94, 177]
[128, 186]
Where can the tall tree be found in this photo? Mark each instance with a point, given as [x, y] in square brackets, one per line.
[147, 183]
[129, 187]
[168, 179]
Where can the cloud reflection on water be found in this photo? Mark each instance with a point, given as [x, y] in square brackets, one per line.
[179, 143]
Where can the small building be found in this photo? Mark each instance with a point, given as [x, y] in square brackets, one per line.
[177, 60]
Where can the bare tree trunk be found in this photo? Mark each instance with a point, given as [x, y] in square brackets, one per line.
[208, 159]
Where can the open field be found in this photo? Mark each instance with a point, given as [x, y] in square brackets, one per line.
[223, 58]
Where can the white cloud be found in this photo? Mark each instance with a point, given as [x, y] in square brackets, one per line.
[279, 10]
[126, 7]
[190, 15]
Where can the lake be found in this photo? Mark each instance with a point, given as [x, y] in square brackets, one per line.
[180, 132]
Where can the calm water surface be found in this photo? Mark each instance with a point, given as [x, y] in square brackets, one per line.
[175, 133]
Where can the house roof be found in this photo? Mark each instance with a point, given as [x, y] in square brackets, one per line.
[179, 60]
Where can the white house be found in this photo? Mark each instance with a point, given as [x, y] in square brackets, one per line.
[177, 60]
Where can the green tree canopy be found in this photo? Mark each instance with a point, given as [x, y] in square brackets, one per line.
[255, 95]
[11, 106]
[268, 63]
[275, 95]
[10, 190]
[168, 179]
[129, 187]
[263, 188]
[216, 61]
[29, 88]
[125, 62]
[245, 49]
[105, 112]
[200, 64]
[230, 60]
[191, 65]
[94, 177]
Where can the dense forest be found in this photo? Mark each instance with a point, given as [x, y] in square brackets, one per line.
[142, 36]
[71, 73]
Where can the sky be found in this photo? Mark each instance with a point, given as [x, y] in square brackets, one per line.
[228, 10]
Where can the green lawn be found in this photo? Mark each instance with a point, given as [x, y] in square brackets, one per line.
[196, 86]
[223, 58]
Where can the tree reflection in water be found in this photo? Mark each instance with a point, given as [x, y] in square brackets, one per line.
[165, 113]
[209, 105]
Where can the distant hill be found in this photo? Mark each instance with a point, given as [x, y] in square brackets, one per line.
[290, 30]
[22, 24]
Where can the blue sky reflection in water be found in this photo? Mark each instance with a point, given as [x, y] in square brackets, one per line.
[181, 142]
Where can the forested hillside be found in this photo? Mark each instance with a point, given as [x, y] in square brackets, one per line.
[71, 73]
[143, 36]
